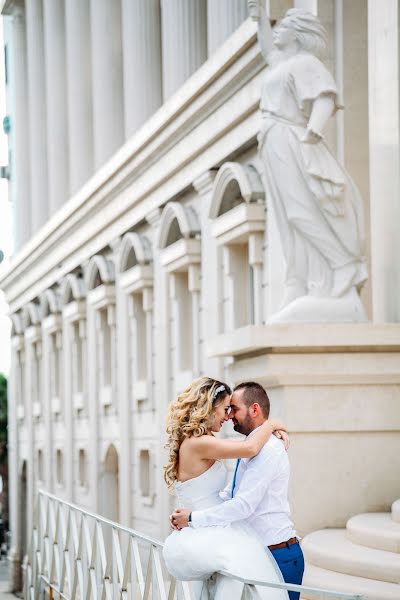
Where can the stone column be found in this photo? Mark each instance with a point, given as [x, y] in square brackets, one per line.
[20, 175]
[223, 17]
[37, 114]
[184, 41]
[107, 79]
[384, 139]
[79, 92]
[141, 37]
[56, 103]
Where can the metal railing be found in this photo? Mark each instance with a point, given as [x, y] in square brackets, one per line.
[79, 555]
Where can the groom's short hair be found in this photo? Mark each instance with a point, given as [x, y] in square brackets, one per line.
[252, 393]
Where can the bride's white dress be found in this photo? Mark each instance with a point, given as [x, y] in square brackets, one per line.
[196, 554]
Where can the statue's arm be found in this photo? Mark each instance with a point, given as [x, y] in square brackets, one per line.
[323, 108]
[258, 13]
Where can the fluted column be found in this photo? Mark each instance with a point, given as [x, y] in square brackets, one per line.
[141, 37]
[56, 103]
[20, 175]
[384, 139]
[223, 17]
[107, 78]
[184, 41]
[37, 113]
[79, 92]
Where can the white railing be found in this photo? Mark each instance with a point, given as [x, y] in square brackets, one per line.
[78, 555]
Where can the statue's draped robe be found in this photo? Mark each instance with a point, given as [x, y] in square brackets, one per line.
[317, 207]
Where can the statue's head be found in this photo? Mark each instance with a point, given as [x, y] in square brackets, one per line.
[303, 27]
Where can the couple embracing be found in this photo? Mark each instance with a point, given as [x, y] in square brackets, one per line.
[244, 528]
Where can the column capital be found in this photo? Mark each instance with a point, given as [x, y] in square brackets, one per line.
[203, 184]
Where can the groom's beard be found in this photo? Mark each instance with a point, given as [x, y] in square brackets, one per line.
[245, 427]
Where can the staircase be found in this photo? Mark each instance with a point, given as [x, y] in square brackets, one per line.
[362, 559]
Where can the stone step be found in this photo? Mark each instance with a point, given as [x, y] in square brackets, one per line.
[370, 589]
[396, 511]
[332, 550]
[375, 530]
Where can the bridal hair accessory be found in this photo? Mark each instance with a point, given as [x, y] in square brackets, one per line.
[220, 388]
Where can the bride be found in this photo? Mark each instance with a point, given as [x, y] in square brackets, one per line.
[196, 473]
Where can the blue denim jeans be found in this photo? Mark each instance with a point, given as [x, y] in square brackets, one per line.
[290, 560]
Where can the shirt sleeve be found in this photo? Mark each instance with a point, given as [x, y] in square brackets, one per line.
[255, 481]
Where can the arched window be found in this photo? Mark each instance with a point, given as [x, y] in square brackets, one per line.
[33, 358]
[238, 214]
[99, 278]
[73, 306]
[180, 245]
[52, 349]
[135, 278]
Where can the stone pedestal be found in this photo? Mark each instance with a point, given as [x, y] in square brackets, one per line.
[337, 388]
[141, 31]
[184, 41]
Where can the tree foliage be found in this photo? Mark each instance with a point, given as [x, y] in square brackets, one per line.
[3, 419]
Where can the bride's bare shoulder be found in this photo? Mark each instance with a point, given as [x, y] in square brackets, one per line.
[194, 442]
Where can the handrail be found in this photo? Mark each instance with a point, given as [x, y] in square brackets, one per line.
[79, 555]
[291, 587]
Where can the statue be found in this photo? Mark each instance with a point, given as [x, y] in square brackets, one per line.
[317, 207]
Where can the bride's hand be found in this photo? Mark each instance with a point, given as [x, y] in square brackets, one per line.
[277, 424]
[284, 436]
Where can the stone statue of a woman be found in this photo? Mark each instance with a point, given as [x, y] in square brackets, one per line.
[317, 207]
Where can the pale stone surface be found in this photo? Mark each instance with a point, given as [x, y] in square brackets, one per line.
[223, 18]
[37, 114]
[184, 41]
[369, 589]
[374, 530]
[56, 104]
[330, 549]
[141, 37]
[79, 90]
[384, 130]
[15, 37]
[107, 79]
[396, 511]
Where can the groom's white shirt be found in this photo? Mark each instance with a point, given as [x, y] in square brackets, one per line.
[260, 497]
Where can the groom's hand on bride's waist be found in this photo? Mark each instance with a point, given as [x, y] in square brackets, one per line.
[180, 518]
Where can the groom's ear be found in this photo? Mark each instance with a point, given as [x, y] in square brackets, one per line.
[255, 409]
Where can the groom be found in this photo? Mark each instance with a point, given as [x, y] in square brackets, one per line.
[258, 493]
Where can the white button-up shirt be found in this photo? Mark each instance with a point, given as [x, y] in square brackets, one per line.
[260, 496]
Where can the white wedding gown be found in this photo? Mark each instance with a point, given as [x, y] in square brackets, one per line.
[196, 554]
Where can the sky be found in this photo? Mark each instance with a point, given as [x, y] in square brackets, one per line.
[5, 220]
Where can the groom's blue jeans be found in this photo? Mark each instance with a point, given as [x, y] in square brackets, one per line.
[290, 560]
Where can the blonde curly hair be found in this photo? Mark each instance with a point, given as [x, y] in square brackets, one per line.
[191, 414]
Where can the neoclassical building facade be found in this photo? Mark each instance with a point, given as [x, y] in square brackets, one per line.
[147, 255]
